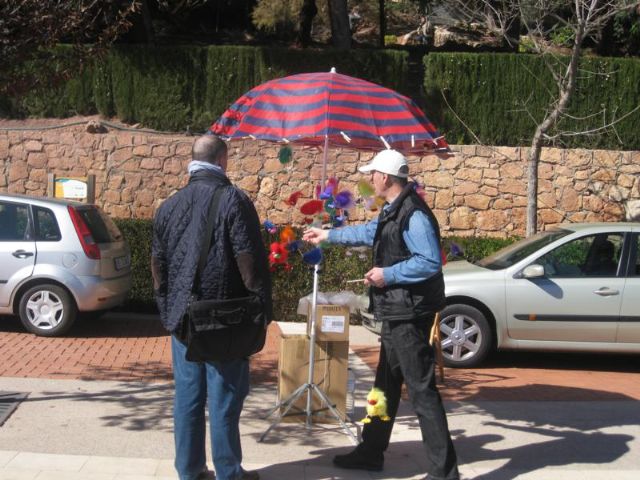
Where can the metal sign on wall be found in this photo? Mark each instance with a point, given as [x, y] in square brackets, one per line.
[80, 189]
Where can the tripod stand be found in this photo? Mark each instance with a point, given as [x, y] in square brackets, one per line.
[310, 388]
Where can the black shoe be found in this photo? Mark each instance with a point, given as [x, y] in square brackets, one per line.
[359, 460]
[250, 475]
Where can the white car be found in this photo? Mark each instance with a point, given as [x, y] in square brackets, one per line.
[57, 258]
[575, 287]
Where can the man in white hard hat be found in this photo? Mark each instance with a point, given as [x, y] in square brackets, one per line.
[406, 291]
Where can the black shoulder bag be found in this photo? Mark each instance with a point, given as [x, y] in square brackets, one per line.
[226, 329]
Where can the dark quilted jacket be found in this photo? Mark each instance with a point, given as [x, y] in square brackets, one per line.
[237, 260]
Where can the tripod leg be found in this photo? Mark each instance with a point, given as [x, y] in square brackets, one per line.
[287, 403]
[334, 411]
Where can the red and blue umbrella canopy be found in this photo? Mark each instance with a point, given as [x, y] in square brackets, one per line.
[330, 109]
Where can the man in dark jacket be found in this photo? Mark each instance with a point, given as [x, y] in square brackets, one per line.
[406, 290]
[236, 266]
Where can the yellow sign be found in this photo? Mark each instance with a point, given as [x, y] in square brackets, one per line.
[72, 188]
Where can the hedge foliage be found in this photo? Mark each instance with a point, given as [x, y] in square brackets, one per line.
[339, 264]
[175, 88]
[500, 97]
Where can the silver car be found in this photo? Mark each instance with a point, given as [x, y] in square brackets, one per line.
[571, 288]
[58, 258]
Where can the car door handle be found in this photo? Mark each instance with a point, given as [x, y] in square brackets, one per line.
[606, 292]
[22, 254]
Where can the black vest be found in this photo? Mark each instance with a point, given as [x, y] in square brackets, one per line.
[414, 301]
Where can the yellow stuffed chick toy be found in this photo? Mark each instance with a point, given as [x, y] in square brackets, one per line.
[376, 406]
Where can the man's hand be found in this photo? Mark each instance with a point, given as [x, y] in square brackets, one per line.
[315, 235]
[374, 277]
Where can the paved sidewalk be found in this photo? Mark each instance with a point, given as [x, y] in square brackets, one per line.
[117, 429]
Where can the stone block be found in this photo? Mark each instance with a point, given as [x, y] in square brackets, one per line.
[33, 146]
[462, 218]
[570, 201]
[430, 163]
[142, 150]
[578, 158]
[478, 202]
[502, 204]
[184, 149]
[512, 186]
[443, 199]
[511, 170]
[552, 155]
[547, 199]
[607, 158]
[490, 191]
[144, 197]
[625, 180]
[37, 159]
[150, 164]
[160, 151]
[250, 183]
[111, 196]
[492, 220]
[18, 171]
[439, 179]
[465, 188]
[477, 162]
[549, 216]
[471, 174]
[451, 163]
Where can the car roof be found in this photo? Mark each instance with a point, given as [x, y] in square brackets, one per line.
[598, 226]
[37, 199]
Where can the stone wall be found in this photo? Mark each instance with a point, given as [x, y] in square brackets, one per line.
[479, 191]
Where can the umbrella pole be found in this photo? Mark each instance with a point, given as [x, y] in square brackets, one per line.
[310, 387]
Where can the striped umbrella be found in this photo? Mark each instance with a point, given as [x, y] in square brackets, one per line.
[331, 109]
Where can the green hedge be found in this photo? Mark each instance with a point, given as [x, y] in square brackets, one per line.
[490, 92]
[340, 264]
[175, 88]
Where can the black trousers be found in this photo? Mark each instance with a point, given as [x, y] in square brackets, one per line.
[407, 357]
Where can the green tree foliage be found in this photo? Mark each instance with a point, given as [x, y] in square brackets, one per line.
[29, 28]
[501, 97]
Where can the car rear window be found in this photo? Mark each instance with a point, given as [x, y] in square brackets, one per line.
[102, 228]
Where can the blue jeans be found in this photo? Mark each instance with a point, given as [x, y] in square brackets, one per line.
[226, 384]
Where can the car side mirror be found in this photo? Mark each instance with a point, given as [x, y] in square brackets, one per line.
[533, 271]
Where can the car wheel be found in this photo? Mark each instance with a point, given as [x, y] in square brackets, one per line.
[47, 310]
[466, 336]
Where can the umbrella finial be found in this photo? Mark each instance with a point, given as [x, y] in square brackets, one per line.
[333, 69]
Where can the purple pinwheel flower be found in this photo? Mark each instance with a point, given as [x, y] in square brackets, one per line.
[269, 227]
[344, 199]
[455, 249]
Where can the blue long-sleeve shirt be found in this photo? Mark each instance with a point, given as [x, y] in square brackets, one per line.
[419, 237]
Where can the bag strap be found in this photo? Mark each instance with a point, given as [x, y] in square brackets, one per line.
[206, 244]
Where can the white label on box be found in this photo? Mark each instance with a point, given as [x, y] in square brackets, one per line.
[332, 324]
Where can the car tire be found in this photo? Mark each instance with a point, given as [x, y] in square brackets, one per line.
[47, 310]
[466, 336]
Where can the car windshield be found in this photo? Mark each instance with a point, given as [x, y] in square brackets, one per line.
[515, 252]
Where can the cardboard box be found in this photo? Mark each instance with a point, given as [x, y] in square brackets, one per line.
[332, 323]
[330, 375]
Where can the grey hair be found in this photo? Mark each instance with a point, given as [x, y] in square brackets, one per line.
[208, 148]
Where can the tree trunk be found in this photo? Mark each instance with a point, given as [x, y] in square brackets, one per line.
[146, 20]
[383, 22]
[533, 160]
[566, 87]
[305, 21]
[340, 31]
